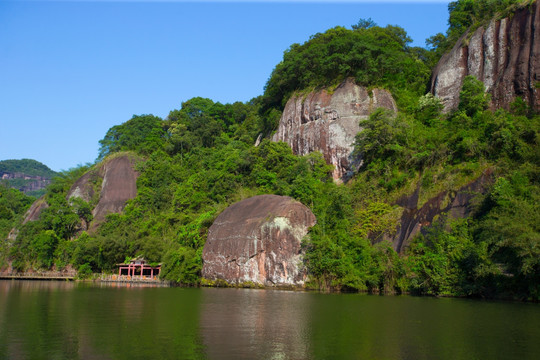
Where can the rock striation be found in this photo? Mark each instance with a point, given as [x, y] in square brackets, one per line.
[328, 122]
[258, 240]
[118, 185]
[504, 55]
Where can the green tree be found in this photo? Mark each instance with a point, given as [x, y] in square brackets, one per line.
[143, 134]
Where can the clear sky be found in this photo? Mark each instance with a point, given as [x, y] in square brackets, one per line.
[71, 69]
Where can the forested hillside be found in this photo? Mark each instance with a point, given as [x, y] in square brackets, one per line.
[27, 175]
[202, 158]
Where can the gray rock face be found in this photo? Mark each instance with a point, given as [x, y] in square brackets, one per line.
[505, 55]
[31, 182]
[35, 210]
[119, 184]
[258, 240]
[329, 121]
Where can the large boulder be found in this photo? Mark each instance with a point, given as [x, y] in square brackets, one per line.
[258, 240]
[328, 121]
[505, 55]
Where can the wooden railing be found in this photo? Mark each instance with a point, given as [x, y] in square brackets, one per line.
[129, 278]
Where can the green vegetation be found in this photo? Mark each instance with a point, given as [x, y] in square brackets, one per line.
[13, 204]
[470, 15]
[201, 159]
[372, 55]
[24, 168]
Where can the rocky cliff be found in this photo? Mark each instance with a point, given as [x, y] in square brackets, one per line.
[35, 210]
[327, 121]
[118, 181]
[27, 175]
[26, 183]
[118, 185]
[447, 205]
[258, 240]
[504, 54]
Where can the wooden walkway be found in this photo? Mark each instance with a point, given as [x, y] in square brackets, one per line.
[37, 276]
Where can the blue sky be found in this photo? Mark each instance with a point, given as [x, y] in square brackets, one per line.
[71, 69]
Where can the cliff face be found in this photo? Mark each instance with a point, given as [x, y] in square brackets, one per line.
[450, 204]
[504, 55]
[328, 122]
[35, 210]
[28, 182]
[119, 184]
[258, 240]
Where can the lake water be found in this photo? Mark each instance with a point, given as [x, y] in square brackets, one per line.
[66, 320]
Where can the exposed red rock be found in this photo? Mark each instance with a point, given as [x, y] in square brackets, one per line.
[453, 204]
[505, 55]
[33, 183]
[328, 122]
[258, 240]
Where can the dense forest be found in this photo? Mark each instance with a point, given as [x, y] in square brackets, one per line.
[201, 158]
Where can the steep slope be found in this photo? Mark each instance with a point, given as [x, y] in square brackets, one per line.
[118, 185]
[504, 55]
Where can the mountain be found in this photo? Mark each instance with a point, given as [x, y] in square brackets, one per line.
[27, 175]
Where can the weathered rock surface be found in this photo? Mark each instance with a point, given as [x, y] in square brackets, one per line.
[329, 121]
[119, 184]
[453, 205]
[83, 187]
[35, 210]
[505, 55]
[31, 182]
[258, 240]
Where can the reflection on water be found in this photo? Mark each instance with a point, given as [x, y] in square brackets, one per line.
[255, 324]
[66, 320]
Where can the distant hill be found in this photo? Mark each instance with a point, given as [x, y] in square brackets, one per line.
[27, 175]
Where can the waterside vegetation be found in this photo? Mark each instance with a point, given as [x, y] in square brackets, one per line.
[201, 158]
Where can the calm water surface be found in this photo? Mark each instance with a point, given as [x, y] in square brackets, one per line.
[62, 320]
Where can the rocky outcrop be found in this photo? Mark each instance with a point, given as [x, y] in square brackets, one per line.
[35, 210]
[118, 185]
[447, 204]
[328, 121]
[258, 240]
[505, 55]
[83, 188]
[26, 183]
